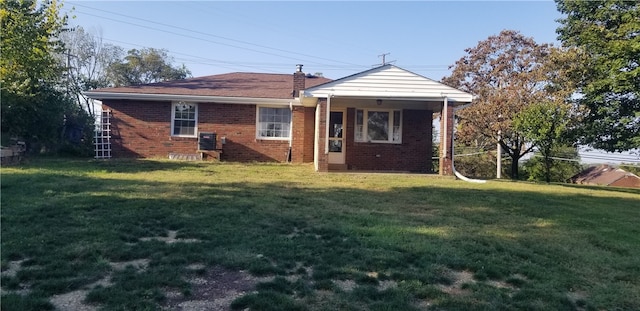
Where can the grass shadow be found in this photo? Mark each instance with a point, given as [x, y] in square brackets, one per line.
[322, 228]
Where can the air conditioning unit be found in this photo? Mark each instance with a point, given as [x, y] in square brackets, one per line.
[206, 141]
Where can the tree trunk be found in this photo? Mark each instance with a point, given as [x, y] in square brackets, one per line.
[514, 167]
[547, 165]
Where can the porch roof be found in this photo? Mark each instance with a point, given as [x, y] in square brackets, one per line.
[387, 82]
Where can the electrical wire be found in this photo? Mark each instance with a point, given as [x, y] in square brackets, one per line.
[208, 34]
[327, 67]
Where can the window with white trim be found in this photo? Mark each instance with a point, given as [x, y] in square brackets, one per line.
[378, 126]
[273, 123]
[184, 119]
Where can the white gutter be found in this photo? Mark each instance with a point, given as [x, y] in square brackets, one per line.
[196, 98]
[453, 166]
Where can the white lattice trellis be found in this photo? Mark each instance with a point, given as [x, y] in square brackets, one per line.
[102, 140]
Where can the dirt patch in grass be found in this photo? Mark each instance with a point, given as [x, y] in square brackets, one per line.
[75, 300]
[170, 238]
[459, 279]
[345, 285]
[578, 299]
[387, 284]
[214, 290]
[72, 301]
[138, 264]
[13, 268]
[501, 284]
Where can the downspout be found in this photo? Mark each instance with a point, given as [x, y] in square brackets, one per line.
[453, 166]
[290, 132]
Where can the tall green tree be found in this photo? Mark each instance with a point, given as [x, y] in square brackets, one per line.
[29, 41]
[545, 126]
[608, 80]
[507, 72]
[34, 105]
[148, 65]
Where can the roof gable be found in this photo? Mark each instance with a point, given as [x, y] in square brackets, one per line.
[388, 81]
[237, 84]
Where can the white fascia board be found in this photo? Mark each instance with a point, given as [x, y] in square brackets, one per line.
[195, 98]
[408, 98]
[466, 98]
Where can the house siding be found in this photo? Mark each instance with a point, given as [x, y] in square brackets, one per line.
[143, 129]
[413, 154]
[388, 81]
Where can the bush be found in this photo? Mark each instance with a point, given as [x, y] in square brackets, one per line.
[561, 170]
[477, 166]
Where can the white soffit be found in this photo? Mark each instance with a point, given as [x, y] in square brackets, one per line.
[388, 81]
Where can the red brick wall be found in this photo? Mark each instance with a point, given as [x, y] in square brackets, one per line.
[303, 134]
[446, 167]
[309, 133]
[413, 154]
[323, 159]
[298, 83]
[143, 129]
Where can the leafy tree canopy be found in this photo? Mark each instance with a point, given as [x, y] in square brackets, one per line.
[34, 105]
[508, 72]
[148, 65]
[29, 41]
[544, 124]
[608, 80]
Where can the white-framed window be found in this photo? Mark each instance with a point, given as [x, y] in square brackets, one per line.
[184, 119]
[378, 126]
[273, 123]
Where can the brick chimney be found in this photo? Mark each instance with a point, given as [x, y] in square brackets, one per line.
[298, 80]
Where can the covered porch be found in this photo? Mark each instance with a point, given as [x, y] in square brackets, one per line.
[382, 120]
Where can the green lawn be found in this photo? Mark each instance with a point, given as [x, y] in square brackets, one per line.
[321, 241]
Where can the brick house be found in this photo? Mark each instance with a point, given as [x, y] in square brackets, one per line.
[606, 175]
[379, 119]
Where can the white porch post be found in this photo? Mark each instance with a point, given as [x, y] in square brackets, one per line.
[326, 135]
[445, 114]
[316, 139]
[499, 157]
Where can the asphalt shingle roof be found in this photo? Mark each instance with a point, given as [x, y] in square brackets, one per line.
[600, 175]
[237, 84]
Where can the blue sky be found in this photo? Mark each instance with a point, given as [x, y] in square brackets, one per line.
[335, 38]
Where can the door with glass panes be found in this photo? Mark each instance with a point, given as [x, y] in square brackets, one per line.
[337, 120]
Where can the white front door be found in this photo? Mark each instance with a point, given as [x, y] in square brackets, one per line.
[337, 133]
